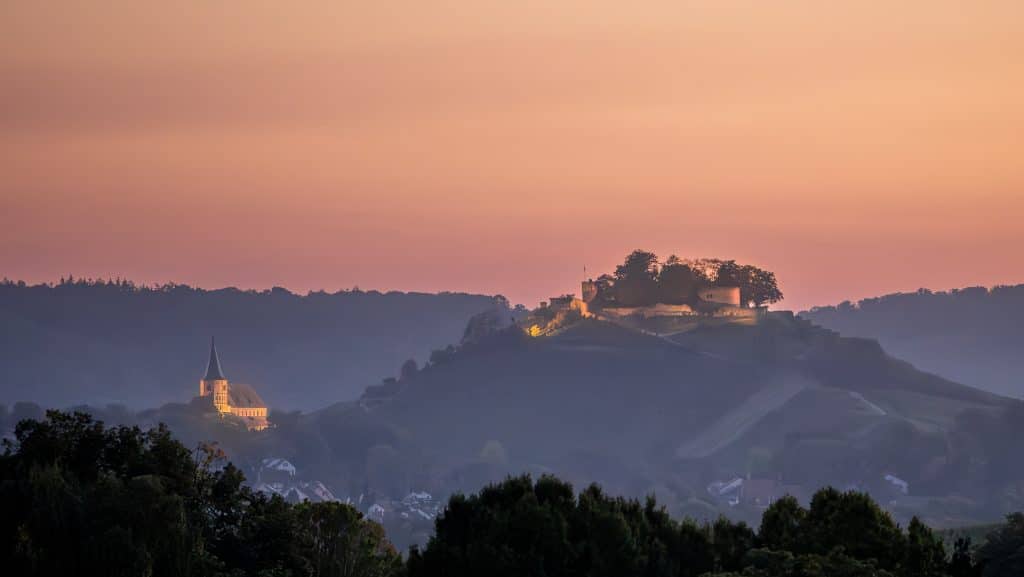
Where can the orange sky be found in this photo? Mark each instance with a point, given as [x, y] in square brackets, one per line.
[855, 148]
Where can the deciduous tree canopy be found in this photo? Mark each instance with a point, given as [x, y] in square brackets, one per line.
[641, 281]
[526, 527]
[77, 498]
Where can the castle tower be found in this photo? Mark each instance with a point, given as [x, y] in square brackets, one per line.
[214, 383]
[588, 291]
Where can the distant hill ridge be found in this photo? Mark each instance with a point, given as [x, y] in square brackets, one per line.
[970, 335]
[101, 342]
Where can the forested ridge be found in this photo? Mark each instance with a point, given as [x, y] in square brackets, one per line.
[110, 341]
[79, 498]
[969, 335]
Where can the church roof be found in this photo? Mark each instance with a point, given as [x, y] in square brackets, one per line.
[243, 396]
[213, 371]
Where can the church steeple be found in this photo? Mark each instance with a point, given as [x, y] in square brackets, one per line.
[238, 399]
[213, 372]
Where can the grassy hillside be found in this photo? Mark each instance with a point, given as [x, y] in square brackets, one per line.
[783, 400]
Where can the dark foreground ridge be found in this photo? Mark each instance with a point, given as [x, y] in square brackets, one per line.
[77, 498]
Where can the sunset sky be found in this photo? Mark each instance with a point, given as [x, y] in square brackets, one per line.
[855, 148]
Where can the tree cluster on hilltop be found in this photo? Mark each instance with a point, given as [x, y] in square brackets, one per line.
[642, 280]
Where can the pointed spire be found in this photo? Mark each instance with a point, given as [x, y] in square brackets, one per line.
[213, 372]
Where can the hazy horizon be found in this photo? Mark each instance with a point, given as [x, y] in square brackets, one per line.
[782, 305]
[855, 149]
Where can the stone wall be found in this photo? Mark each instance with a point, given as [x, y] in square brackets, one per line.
[726, 295]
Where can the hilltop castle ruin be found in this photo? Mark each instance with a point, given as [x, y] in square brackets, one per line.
[709, 304]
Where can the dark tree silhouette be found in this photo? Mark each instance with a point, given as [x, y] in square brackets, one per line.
[925, 554]
[77, 498]
[781, 525]
[678, 283]
[408, 370]
[639, 265]
[1002, 555]
[757, 286]
[521, 527]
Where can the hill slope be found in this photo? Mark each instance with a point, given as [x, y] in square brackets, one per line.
[100, 343]
[639, 413]
[969, 335]
[786, 404]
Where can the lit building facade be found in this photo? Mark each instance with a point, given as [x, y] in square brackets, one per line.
[235, 399]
